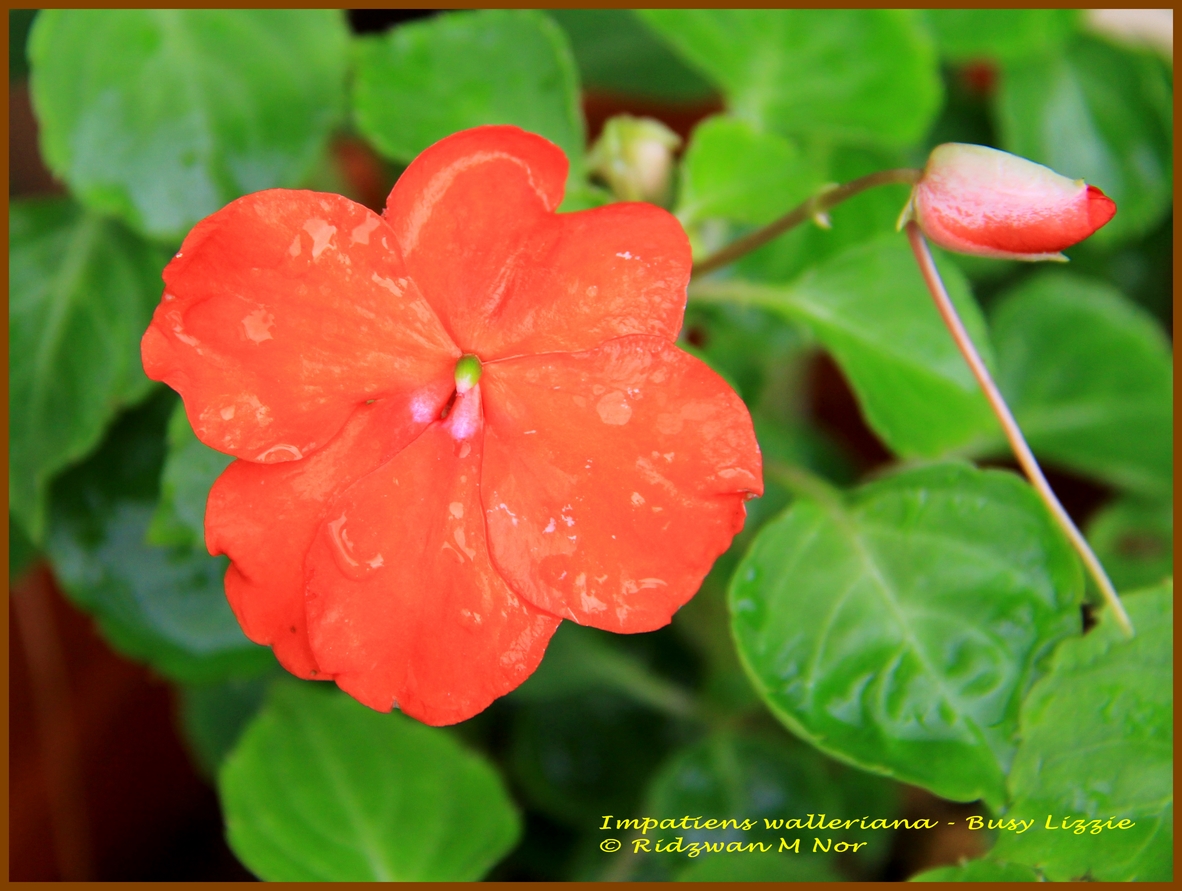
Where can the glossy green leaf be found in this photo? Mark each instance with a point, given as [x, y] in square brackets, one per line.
[861, 76]
[213, 717]
[704, 621]
[868, 305]
[984, 870]
[190, 469]
[163, 116]
[966, 35]
[1101, 113]
[422, 81]
[1097, 744]
[767, 781]
[321, 788]
[898, 627]
[81, 293]
[164, 606]
[1089, 377]
[733, 171]
[616, 53]
[1134, 540]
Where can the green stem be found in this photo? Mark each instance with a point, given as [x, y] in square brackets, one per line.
[634, 680]
[802, 483]
[813, 208]
[1009, 425]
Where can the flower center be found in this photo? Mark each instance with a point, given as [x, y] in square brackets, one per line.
[467, 373]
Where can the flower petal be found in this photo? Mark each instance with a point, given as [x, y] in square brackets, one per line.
[404, 605]
[613, 478]
[282, 313]
[596, 275]
[265, 517]
[474, 220]
[465, 209]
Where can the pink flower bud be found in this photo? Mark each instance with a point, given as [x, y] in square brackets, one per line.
[978, 200]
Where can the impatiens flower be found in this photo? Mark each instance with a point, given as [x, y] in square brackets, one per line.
[978, 200]
[457, 423]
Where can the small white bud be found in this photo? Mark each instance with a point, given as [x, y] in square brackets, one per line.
[634, 156]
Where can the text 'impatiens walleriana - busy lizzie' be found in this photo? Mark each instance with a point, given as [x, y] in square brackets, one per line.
[458, 423]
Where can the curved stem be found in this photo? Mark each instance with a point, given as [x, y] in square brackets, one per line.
[637, 682]
[812, 208]
[801, 482]
[1010, 426]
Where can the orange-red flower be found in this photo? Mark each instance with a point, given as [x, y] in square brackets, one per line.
[458, 422]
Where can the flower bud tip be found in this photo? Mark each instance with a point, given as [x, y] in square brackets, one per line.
[977, 200]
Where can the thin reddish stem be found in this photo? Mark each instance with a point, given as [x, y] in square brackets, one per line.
[812, 208]
[1010, 426]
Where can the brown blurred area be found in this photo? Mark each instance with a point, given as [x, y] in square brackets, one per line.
[100, 785]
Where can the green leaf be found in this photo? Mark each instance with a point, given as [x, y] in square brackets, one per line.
[869, 307]
[753, 349]
[165, 606]
[1097, 744]
[704, 620]
[897, 627]
[800, 444]
[733, 171]
[1089, 376]
[321, 788]
[742, 777]
[82, 290]
[871, 214]
[1101, 113]
[860, 76]
[21, 551]
[19, 23]
[584, 196]
[213, 717]
[585, 755]
[1134, 540]
[984, 870]
[766, 781]
[420, 82]
[189, 472]
[163, 116]
[966, 35]
[618, 54]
